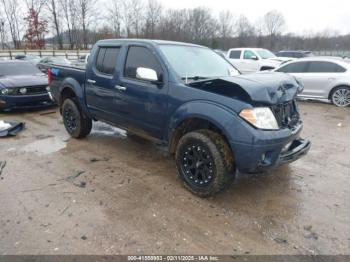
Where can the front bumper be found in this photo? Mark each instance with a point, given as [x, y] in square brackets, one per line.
[296, 150]
[269, 149]
[24, 101]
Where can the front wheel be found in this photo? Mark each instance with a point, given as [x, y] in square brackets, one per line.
[205, 162]
[77, 124]
[341, 96]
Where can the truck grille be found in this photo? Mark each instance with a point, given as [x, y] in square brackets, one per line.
[31, 90]
[286, 114]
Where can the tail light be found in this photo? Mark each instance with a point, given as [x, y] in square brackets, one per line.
[49, 76]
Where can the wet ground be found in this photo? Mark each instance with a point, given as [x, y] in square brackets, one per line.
[111, 194]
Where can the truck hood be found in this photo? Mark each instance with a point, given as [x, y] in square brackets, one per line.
[267, 88]
[273, 62]
[22, 80]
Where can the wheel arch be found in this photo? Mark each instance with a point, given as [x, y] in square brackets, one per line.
[71, 88]
[336, 86]
[215, 119]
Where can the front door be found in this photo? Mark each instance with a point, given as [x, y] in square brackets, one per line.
[144, 102]
[249, 62]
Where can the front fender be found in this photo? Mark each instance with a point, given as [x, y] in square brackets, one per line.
[220, 116]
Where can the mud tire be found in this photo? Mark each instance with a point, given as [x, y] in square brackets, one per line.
[223, 168]
[76, 123]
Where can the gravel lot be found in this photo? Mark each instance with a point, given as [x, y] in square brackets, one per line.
[111, 194]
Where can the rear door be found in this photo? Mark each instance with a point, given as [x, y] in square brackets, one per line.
[234, 57]
[144, 103]
[101, 78]
[319, 77]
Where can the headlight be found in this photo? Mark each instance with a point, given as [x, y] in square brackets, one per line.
[4, 91]
[23, 90]
[260, 117]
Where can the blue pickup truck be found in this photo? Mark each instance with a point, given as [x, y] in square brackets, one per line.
[213, 120]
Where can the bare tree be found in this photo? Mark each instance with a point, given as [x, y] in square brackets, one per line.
[274, 23]
[115, 17]
[55, 18]
[65, 6]
[2, 30]
[12, 13]
[153, 16]
[244, 30]
[225, 24]
[36, 5]
[174, 26]
[85, 9]
[127, 16]
[225, 27]
[202, 24]
[71, 14]
[137, 16]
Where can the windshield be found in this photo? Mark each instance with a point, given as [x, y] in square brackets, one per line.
[265, 54]
[18, 68]
[197, 62]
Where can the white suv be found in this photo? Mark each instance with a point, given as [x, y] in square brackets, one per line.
[249, 60]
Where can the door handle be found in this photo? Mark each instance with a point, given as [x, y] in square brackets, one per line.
[90, 81]
[120, 88]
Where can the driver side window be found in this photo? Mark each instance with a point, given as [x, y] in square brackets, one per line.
[139, 56]
[249, 55]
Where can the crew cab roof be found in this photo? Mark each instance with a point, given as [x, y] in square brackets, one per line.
[142, 41]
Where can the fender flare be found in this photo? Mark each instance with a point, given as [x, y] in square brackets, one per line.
[216, 114]
[74, 86]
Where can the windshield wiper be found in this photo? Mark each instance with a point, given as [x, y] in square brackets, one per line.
[193, 78]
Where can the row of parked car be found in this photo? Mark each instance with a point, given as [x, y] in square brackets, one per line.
[323, 77]
[23, 81]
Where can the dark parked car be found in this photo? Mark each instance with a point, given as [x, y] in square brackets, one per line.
[294, 54]
[45, 63]
[187, 97]
[22, 85]
[34, 59]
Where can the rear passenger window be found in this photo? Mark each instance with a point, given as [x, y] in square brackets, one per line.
[99, 60]
[235, 54]
[107, 59]
[141, 57]
[325, 67]
[298, 67]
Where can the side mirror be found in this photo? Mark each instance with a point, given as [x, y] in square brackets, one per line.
[147, 74]
[254, 57]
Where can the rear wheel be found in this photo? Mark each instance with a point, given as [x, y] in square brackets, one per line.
[204, 162]
[341, 96]
[77, 124]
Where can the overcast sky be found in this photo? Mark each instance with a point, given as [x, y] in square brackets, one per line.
[301, 15]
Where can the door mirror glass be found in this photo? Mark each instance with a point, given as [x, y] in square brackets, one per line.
[146, 74]
[254, 57]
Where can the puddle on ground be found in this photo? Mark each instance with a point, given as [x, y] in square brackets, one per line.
[45, 146]
[103, 129]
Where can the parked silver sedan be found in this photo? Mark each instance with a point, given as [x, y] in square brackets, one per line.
[323, 78]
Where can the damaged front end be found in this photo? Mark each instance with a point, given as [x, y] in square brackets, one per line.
[271, 96]
[274, 90]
